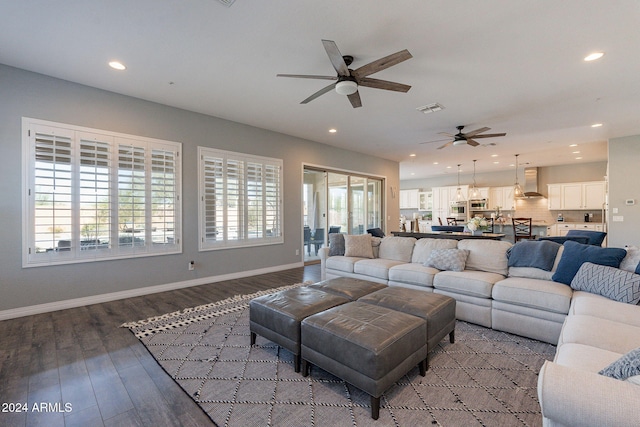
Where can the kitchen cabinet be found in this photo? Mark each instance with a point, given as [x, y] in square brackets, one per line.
[576, 195]
[425, 200]
[503, 197]
[442, 198]
[409, 199]
[562, 228]
[483, 193]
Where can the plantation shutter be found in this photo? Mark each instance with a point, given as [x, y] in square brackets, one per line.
[163, 195]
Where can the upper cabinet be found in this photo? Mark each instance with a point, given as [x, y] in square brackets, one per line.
[501, 196]
[425, 200]
[409, 199]
[576, 195]
[483, 193]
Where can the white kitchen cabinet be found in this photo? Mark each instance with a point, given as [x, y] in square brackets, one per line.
[425, 200]
[442, 198]
[483, 193]
[563, 228]
[576, 195]
[503, 197]
[409, 199]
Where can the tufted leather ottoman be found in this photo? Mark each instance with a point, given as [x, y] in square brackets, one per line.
[368, 346]
[277, 316]
[439, 311]
[348, 287]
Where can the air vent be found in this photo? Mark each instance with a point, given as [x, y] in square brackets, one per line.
[227, 3]
[430, 108]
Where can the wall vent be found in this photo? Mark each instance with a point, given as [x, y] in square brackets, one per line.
[430, 108]
[227, 3]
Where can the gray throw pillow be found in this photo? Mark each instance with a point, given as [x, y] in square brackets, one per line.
[610, 282]
[336, 244]
[625, 367]
[358, 245]
[448, 259]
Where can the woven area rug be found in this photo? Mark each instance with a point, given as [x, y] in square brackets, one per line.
[486, 378]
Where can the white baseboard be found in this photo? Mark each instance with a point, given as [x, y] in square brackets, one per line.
[97, 299]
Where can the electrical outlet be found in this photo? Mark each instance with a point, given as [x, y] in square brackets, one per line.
[297, 251]
[192, 265]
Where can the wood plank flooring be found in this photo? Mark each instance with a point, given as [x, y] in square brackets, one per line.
[83, 357]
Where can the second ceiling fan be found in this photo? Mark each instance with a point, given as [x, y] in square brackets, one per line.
[348, 80]
[466, 138]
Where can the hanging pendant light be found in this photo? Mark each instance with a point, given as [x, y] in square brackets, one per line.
[474, 193]
[517, 190]
[459, 195]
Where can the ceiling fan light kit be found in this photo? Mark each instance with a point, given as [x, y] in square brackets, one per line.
[346, 87]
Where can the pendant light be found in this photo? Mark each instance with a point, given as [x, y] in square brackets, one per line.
[474, 193]
[517, 190]
[459, 195]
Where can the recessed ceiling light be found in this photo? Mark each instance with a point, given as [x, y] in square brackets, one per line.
[436, 163]
[116, 65]
[496, 163]
[593, 56]
[332, 131]
[494, 155]
[412, 155]
[596, 125]
[573, 145]
[579, 158]
[576, 152]
[448, 167]
[413, 173]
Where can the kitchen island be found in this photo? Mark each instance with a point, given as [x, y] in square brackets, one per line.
[456, 235]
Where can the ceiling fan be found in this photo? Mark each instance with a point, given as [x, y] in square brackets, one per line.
[348, 80]
[465, 138]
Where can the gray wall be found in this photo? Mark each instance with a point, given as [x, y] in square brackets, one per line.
[23, 93]
[624, 183]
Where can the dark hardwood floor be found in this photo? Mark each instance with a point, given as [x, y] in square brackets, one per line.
[82, 357]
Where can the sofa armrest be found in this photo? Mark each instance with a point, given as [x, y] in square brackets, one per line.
[573, 397]
[324, 254]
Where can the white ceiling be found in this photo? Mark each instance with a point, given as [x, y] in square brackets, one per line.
[515, 66]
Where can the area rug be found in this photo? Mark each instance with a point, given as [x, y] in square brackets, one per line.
[486, 378]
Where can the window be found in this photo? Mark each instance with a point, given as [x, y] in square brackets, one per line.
[240, 199]
[93, 195]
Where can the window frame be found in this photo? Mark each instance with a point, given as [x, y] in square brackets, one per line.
[161, 183]
[229, 164]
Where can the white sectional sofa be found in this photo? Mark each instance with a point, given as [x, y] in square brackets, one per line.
[590, 331]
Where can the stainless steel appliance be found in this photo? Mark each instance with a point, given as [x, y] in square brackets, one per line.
[459, 210]
[478, 205]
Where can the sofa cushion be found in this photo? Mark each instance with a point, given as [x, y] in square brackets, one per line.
[336, 244]
[413, 273]
[536, 273]
[448, 259]
[486, 255]
[631, 260]
[378, 267]
[627, 366]
[473, 283]
[423, 248]
[610, 282]
[539, 294]
[358, 245]
[602, 333]
[397, 248]
[575, 254]
[342, 263]
[604, 308]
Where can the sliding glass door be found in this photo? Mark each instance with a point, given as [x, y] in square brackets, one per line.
[338, 202]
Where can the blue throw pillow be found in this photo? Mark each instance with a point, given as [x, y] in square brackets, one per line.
[638, 268]
[575, 254]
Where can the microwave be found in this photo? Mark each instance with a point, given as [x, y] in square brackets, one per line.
[478, 205]
[458, 210]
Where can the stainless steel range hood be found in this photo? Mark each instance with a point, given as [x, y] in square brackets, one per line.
[531, 184]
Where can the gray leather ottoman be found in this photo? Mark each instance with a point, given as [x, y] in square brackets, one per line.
[277, 316]
[439, 311]
[368, 346]
[348, 287]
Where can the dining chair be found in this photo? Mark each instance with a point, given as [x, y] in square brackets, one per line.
[452, 221]
[318, 239]
[522, 229]
[307, 239]
[439, 221]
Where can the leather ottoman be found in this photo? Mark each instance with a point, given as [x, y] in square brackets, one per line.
[277, 316]
[368, 346]
[439, 311]
[348, 287]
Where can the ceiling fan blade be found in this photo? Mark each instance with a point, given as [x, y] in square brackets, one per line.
[445, 145]
[336, 57]
[446, 133]
[437, 140]
[383, 84]
[382, 63]
[475, 132]
[307, 76]
[472, 143]
[355, 100]
[490, 135]
[319, 93]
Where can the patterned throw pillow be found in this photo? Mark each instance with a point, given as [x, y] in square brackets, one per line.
[358, 245]
[610, 282]
[447, 259]
[336, 244]
[625, 367]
